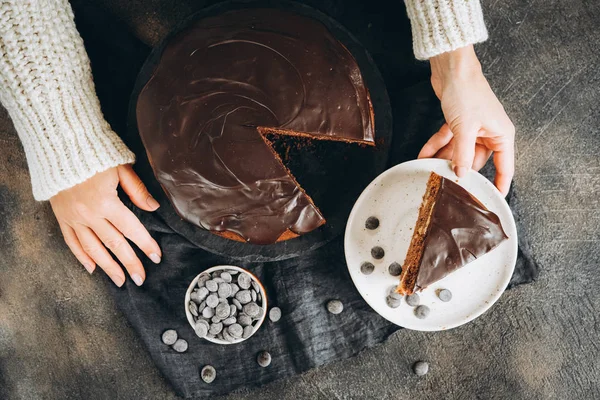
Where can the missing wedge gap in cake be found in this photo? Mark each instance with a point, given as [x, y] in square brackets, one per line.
[265, 131]
[412, 263]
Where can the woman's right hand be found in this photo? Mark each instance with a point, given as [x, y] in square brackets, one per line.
[93, 219]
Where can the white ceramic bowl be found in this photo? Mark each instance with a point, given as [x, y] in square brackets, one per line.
[263, 295]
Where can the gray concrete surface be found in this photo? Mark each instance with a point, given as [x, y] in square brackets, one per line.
[62, 338]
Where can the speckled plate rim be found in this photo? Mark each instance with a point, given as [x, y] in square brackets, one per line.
[210, 270]
[503, 258]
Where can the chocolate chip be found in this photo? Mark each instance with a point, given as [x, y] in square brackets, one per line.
[215, 329]
[243, 296]
[169, 337]
[201, 306]
[180, 346]
[367, 268]
[235, 330]
[212, 300]
[233, 272]
[421, 312]
[224, 290]
[232, 310]
[208, 374]
[252, 310]
[444, 295]
[222, 310]
[208, 312]
[335, 306]
[413, 300]
[421, 368]
[263, 359]
[244, 281]
[392, 302]
[275, 314]
[372, 223]
[237, 304]
[234, 288]
[193, 308]
[247, 331]
[255, 286]
[227, 337]
[229, 321]
[244, 320]
[202, 280]
[199, 294]
[259, 297]
[201, 328]
[215, 319]
[395, 269]
[226, 276]
[212, 286]
[393, 293]
[376, 252]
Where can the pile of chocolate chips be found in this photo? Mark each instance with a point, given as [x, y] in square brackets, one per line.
[226, 305]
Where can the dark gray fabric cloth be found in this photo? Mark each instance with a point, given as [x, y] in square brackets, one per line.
[307, 335]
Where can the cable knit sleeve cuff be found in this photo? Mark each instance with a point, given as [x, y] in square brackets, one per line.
[46, 85]
[439, 26]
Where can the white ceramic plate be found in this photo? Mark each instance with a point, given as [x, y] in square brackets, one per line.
[394, 197]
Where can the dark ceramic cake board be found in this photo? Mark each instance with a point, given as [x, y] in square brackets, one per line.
[332, 173]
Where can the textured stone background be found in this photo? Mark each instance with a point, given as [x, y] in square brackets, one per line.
[61, 336]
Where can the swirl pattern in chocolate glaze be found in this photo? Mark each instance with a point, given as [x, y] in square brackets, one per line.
[219, 82]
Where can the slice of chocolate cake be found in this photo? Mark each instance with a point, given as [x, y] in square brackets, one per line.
[225, 82]
[453, 228]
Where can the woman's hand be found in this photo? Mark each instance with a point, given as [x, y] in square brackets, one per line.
[476, 123]
[91, 216]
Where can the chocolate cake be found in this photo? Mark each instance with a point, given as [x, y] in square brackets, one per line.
[453, 228]
[226, 86]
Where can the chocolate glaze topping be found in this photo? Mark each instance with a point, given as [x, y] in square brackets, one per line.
[220, 79]
[461, 230]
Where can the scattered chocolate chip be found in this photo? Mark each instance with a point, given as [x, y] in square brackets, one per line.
[169, 337]
[421, 368]
[275, 314]
[367, 268]
[372, 223]
[335, 306]
[377, 252]
[444, 295]
[393, 293]
[392, 302]
[413, 300]
[264, 359]
[422, 312]
[180, 346]
[208, 374]
[395, 269]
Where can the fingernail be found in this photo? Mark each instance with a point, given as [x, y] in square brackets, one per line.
[137, 279]
[155, 258]
[152, 203]
[89, 267]
[460, 171]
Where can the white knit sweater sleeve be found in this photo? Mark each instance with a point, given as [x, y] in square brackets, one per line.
[46, 86]
[439, 26]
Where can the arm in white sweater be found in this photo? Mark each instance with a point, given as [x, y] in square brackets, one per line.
[46, 85]
[439, 26]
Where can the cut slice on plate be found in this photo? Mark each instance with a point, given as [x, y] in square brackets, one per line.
[453, 228]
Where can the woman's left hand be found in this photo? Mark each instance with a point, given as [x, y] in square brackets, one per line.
[476, 123]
